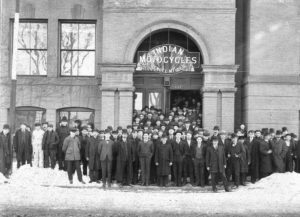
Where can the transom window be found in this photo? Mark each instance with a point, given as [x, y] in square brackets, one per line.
[32, 48]
[85, 115]
[77, 48]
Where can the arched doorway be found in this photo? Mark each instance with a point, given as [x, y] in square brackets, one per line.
[168, 72]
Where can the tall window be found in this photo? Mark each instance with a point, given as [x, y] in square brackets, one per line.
[77, 49]
[29, 115]
[32, 48]
[86, 115]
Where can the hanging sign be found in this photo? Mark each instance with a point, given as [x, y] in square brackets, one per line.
[168, 58]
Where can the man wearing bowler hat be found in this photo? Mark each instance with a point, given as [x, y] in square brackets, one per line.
[5, 151]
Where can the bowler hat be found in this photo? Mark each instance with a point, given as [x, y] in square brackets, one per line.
[278, 132]
[64, 119]
[72, 129]
[6, 126]
[216, 128]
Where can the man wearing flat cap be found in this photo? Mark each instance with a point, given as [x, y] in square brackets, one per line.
[5, 151]
[71, 148]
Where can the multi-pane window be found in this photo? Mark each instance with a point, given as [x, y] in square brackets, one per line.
[85, 115]
[29, 116]
[32, 48]
[77, 49]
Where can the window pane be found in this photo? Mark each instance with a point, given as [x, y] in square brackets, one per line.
[69, 36]
[87, 36]
[24, 35]
[155, 100]
[86, 63]
[38, 62]
[85, 117]
[38, 36]
[69, 63]
[30, 117]
[138, 102]
[23, 62]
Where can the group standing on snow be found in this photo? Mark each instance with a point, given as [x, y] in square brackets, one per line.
[156, 149]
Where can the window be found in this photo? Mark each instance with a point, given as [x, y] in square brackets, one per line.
[77, 49]
[86, 115]
[32, 48]
[30, 116]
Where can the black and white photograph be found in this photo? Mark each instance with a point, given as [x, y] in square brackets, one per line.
[149, 108]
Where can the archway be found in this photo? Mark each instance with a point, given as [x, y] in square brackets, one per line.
[168, 72]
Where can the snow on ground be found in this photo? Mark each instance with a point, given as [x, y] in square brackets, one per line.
[50, 189]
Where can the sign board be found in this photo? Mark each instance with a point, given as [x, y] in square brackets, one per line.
[168, 58]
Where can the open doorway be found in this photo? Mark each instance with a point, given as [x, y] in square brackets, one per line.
[186, 98]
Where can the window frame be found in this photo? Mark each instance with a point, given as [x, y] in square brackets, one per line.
[88, 50]
[12, 21]
[73, 109]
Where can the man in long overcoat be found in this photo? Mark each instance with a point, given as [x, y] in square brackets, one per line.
[62, 132]
[92, 156]
[163, 160]
[5, 151]
[278, 152]
[255, 156]
[23, 146]
[265, 156]
[216, 164]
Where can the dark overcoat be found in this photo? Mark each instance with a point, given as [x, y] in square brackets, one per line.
[265, 157]
[163, 156]
[5, 152]
[215, 159]
[178, 150]
[278, 153]
[26, 147]
[255, 157]
[91, 152]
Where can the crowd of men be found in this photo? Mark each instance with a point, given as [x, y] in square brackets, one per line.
[170, 150]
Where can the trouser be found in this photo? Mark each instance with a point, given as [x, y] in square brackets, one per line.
[61, 158]
[263, 174]
[22, 161]
[297, 165]
[38, 157]
[254, 172]
[126, 173]
[84, 165]
[135, 172]
[177, 171]
[163, 180]
[153, 173]
[199, 172]
[94, 175]
[145, 168]
[214, 179]
[243, 178]
[106, 171]
[235, 168]
[52, 155]
[289, 164]
[74, 164]
[188, 169]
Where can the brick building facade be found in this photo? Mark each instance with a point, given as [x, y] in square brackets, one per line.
[249, 71]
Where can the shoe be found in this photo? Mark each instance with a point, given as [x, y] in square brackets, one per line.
[91, 181]
[215, 190]
[82, 182]
[71, 181]
[98, 181]
[104, 186]
[227, 190]
[109, 185]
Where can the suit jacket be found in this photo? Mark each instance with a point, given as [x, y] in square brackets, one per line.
[194, 151]
[106, 149]
[188, 149]
[91, 152]
[178, 150]
[50, 141]
[71, 147]
[279, 151]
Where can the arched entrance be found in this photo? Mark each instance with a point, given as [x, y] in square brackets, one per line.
[168, 72]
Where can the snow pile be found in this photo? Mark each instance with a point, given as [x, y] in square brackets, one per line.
[28, 176]
[278, 182]
[3, 179]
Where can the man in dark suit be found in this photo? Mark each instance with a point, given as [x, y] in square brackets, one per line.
[178, 152]
[62, 132]
[216, 163]
[50, 146]
[198, 155]
[5, 151]
[105, 152]
[188, 166]
[23, 146]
